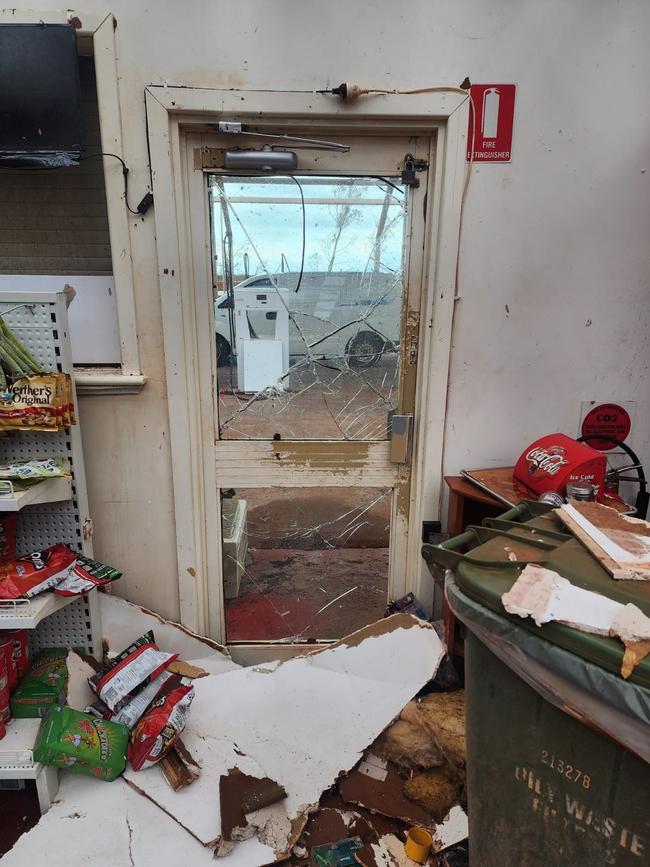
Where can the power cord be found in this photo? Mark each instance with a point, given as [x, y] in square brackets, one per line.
[304, 231]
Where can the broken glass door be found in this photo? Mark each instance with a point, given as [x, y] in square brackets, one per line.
[309, 276]
[309, 300]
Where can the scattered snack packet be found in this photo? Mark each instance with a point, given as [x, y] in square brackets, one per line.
[44, 685]
[36, 572]
[131, 712]
[81, 743]
[155, 733]
[46, 468]
[79, 581]
[132, 670]
[86, 575]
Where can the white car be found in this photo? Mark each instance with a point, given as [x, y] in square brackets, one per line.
[339, 314]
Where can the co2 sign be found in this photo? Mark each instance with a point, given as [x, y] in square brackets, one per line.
[606, 419]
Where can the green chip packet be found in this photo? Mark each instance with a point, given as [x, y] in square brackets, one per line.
[82, 743]
[43, 686]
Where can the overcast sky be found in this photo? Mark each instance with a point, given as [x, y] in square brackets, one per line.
[267, 230]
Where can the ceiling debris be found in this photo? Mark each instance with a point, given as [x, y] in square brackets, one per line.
[265, 764]
[122, 621]
[388, 850]
[281, 723]
[545, 596]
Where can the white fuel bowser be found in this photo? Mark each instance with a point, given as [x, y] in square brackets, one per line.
[261, 338]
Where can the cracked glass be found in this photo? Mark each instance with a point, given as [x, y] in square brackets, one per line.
[302, 567]
[308, 287]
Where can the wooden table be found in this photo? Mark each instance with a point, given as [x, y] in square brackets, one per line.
[468, 504]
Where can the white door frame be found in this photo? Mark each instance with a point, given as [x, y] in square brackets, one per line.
[187, 314]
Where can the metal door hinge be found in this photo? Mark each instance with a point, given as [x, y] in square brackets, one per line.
[411, 166]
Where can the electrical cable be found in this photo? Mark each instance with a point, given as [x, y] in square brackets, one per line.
[125, 173]
[304, 232]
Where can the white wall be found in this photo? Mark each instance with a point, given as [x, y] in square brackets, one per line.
[560, 235]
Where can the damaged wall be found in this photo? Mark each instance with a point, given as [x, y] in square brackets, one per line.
[553, 275]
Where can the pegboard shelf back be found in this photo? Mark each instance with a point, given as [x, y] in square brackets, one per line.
[39, 320]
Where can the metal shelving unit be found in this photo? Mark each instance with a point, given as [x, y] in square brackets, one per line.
[50, 514]
[45, 491]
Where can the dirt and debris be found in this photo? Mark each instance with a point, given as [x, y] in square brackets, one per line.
[266, 770]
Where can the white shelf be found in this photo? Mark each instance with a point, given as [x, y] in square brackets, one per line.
[28, 613]
[17, 750]
[46, 491]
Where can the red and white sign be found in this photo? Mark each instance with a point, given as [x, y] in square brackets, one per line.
[491, 122]
[606, 419]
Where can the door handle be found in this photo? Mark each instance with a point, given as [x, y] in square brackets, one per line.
[401, 438]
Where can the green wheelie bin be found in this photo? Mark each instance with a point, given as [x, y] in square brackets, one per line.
[558, 743]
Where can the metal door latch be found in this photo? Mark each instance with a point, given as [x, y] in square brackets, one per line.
[411, 166]
[401, 438]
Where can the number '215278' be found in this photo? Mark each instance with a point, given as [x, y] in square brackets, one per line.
[566, 770]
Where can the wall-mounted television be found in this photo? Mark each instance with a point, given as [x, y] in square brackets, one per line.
[40, 118]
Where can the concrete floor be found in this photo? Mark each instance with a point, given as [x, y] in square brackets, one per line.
[307, 547]
[284, 592]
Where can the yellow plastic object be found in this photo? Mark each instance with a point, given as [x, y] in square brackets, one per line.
[418, 845]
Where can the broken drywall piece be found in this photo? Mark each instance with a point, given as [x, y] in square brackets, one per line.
[544, 595]
[245, 808]
[453, 829]
[178, 766]
[79, 694]
[197, 807]
[624, 541]
[384, 796]
[110, 825]
[263, 721]
[122, 622]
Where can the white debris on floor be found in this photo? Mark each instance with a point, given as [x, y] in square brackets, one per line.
[271, 738]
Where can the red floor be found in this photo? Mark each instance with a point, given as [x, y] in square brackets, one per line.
[284, 593]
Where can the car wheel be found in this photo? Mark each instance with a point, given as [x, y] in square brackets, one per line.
[223, 350]
[364, 349]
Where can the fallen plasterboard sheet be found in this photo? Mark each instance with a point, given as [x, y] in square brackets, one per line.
[544, 595]
[122, 622]
[283, 721]
[110, 825]
[621, 543]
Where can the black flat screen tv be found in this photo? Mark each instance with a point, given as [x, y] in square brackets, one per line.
[40, 116]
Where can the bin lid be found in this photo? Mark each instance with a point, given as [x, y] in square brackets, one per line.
[530, 532]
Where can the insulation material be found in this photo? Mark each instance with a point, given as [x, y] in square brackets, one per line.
[121, 621]
[621, 543]
[262, 721]
[545, 596]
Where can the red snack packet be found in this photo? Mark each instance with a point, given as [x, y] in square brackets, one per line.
[36, 572]
[7, 649]
[155, 733]
[21, 651]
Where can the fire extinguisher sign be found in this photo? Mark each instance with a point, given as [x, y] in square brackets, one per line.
[491, 120]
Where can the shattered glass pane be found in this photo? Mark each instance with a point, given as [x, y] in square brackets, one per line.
[304, 563]
[309, 279]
